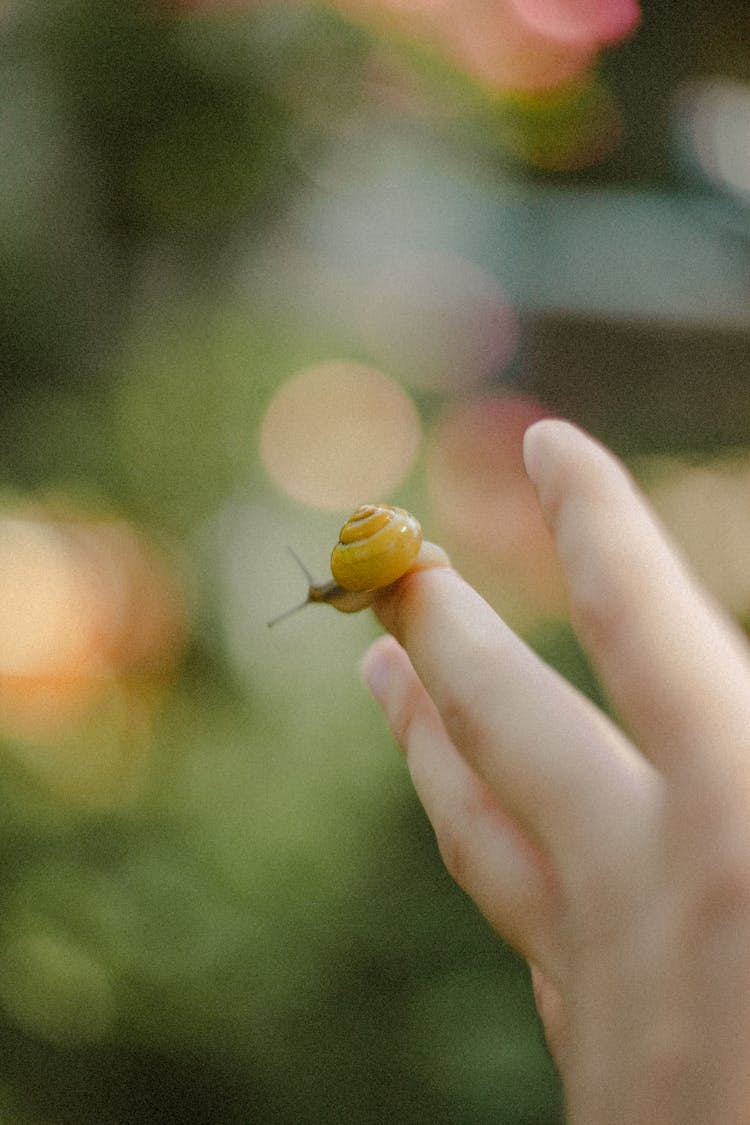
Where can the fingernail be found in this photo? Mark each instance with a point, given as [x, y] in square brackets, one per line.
[530, 446]
[376, 670]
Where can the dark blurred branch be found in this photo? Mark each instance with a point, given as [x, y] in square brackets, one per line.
[642, 386]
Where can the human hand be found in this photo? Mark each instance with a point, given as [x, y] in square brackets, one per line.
[618, 866]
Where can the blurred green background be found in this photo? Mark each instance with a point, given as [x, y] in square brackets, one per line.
[233, 239]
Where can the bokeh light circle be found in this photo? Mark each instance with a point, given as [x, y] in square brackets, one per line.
[91, 629]
[46, 623]
[339, 433]
[440, 322]
[707, 510]
[714, 114]
[483, 499]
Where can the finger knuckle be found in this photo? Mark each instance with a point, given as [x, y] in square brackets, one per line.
[457, 828]
[463, 707]
[407, 710]
[453, 852]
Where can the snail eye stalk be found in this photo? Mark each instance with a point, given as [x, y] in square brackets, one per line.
[300, 605]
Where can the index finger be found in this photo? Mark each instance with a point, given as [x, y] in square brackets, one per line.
[557, 764]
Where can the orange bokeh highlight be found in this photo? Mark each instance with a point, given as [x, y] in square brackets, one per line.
[339, 433]
[91, 628]
[441, 322]
[488, 515]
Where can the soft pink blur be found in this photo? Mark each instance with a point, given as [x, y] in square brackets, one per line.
[488, 515]
[504, 44]
[580, 21]
[489, 40]
[439, 322]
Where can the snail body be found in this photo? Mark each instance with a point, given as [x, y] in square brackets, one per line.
[377, 546]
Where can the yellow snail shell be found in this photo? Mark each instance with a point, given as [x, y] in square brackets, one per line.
[377, 545]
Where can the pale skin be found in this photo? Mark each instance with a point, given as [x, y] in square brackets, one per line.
[617, 864]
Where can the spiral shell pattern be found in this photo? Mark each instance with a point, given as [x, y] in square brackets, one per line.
[377, 545]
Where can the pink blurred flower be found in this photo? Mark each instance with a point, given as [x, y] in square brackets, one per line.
[580, 21]
[490, 39]
[518, 45]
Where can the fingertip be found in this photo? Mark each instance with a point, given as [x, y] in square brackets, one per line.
[541, 439]
[379, 666]
[399, 606]
[565, 465]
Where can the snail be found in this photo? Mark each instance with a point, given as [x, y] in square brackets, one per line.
[377, 545]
